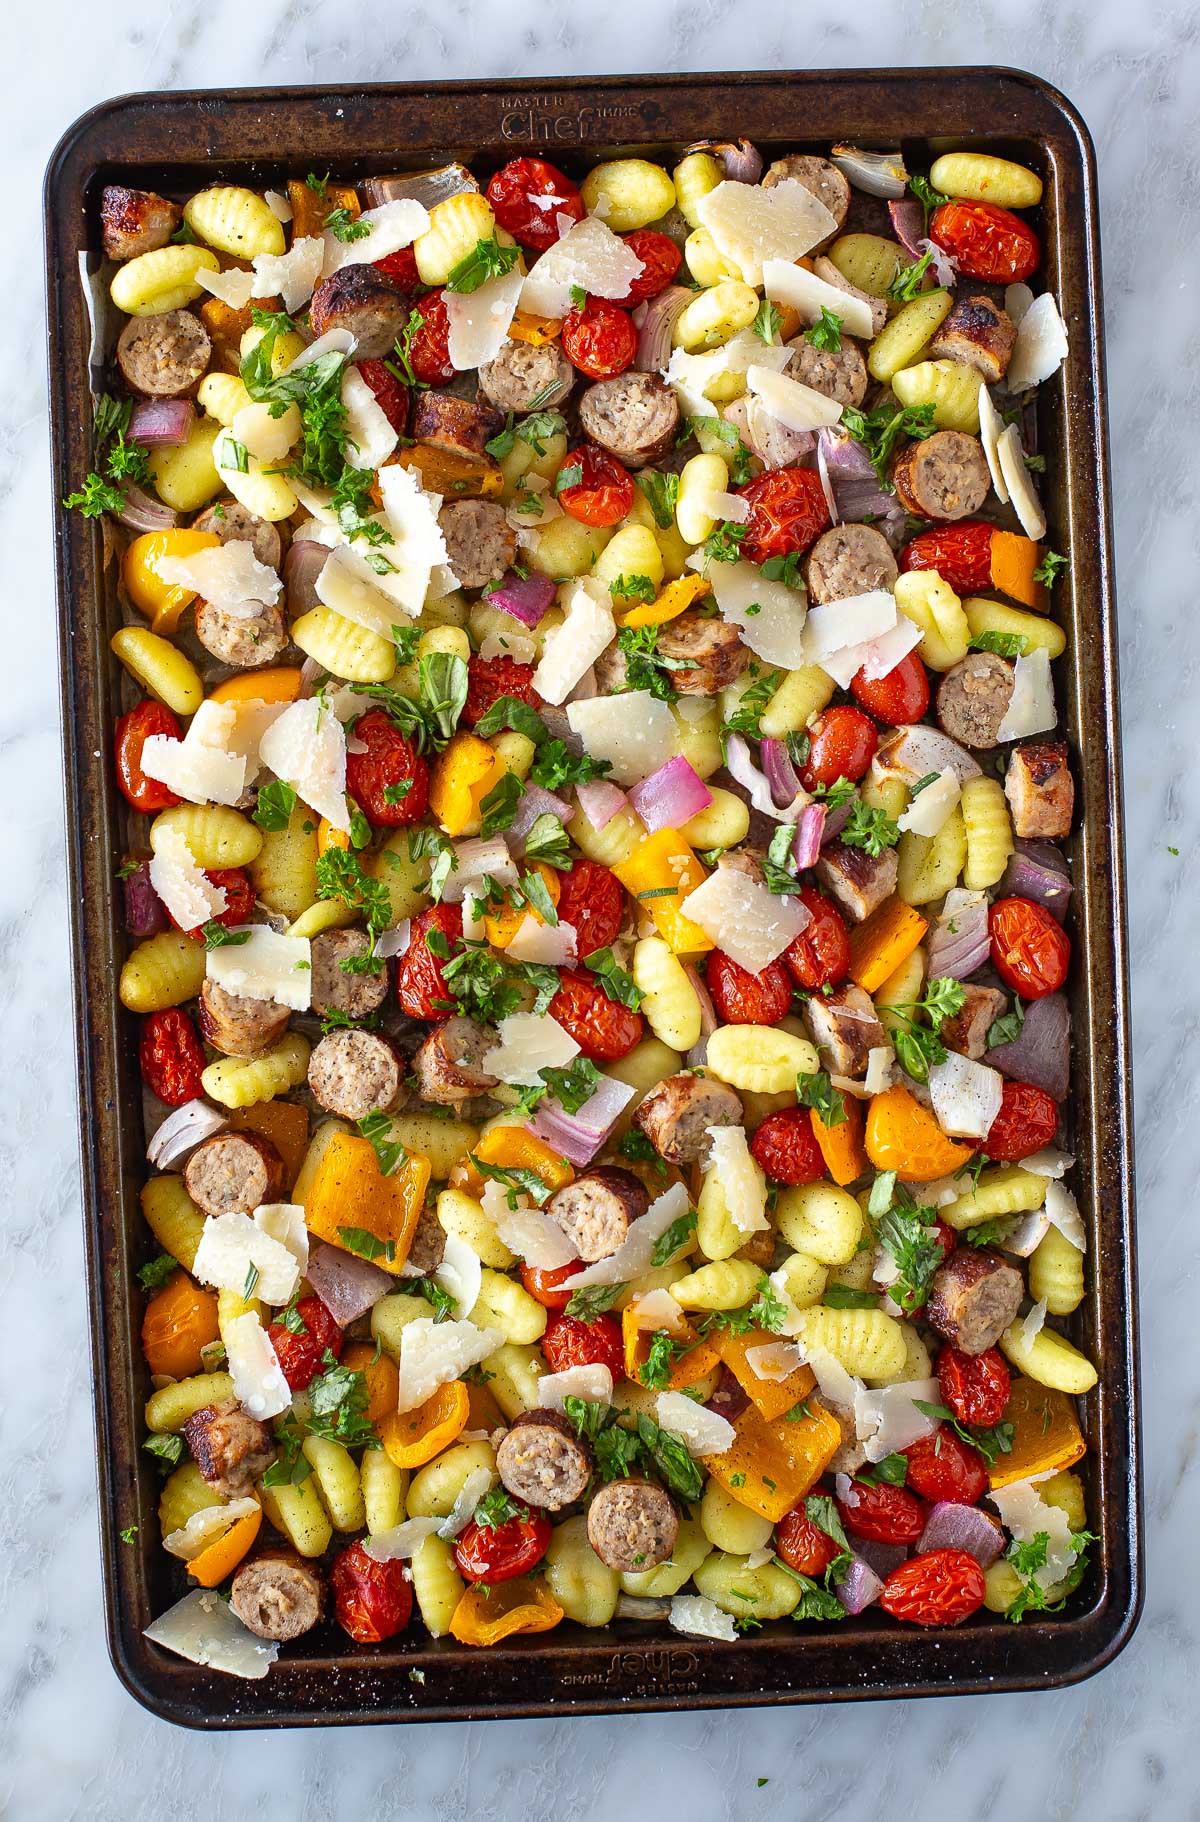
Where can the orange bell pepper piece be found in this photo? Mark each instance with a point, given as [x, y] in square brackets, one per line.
[501, 926]
[411, 1438]
[461, 776]
[311, 210]
[842, 1145]
[660, 873]
[160, 601]
[699, 1360]
[350, 1191]
[278, 683]
[284, 1123]
[486, 1615]
[536, 330]
[382, 1377]
[513, 1148]
[903, 1136]
[180, 1320]
[1046, 1434]
[888, 938]
[771, 1397]
[770, 1464]
[223, 1555]
[1013, 561]
[329, 837]
[453, 475]
[675, 599]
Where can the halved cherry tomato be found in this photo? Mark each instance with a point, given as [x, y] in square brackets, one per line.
[987, 242]
[742, 998]
[569, 1342]
[603, 1028]
[543, 1282]
[391, 394]
[788, 511]
[372, 1601]
[132, 732]
[592, 901]
[390, 761]
[899, 698]
[499, 1553]
[661, 260]
[599, 338]
[172, 1057]
[820, 955]
[976, 1387]
[1030, 950]
[883, 1513]
[429, 349]
[842, 743]
[603, 493]
[511, 192]
[420, 984]
[490, 678]
[401, 268]
[941, 1588]
[961, 554]
[239, 899]
[1027, 1120]
[943, 1466]
[786, 1147]
[301, 1355]
[802, 1544]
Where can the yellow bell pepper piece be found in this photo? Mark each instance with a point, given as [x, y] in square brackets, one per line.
[411, 1438]
[219, 1560]
[279, 683]
[771, 1397]
[485, 1615]
[771, 1464]
[700, 1359]
[1046, 1434]
[349, 1191]
[461, 777]
[536, 330]
[675, 599]
[161, 602]
[329, 837]
[501, 926]
[513, 1148]
[660, 872]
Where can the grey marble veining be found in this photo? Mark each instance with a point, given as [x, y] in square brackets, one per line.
[1121, 1747]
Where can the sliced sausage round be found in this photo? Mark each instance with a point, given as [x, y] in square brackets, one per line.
[233, 1171]
[135, 221]
[978, 333]
[164, 356]
[849, 560]
[542, 1462]
[632, 1525]
[711, 650]
[822, 179]
[232, 522]
[449, 1064]
[237, 1025]
[944, 477]
[676, 1115]
[973, 698]
[973, 1298]
[278, 1595]
[363, 300]
[355, 1073]
[336, 989]
[595, 1210]
[480, 543]
[634, 416]
[521, 374]
[840, 373]
[243, 640]
[231, 1448]
[427, 1248]
[464, 425]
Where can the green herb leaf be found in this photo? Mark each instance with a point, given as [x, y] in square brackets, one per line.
[487, 259]
[766, 323]
[516, 1182]
[843, 1297]
[724, 544]
[338, 1401]
[928, 197]
[751, 705]
[880, 430]
[1007, 1028]
[167, 1449]
[219, 936]
[636, 1146]
[675, 1236]
[1005, 645]
[1050, 568]
[593, 1300]
[555, 767]
[712, 433]
[817, 1091]
[633, 588]
[274, 806]
[366, 1245]
[823, 1513]
[153, 1276]
[907, 282]
[662, 493]
[377, 1127]
[613, 979]
[499, 807]
[892, 1471]
[826, 333]
[669, 1454]
[870, 829]
[346, 227]
[546, 842]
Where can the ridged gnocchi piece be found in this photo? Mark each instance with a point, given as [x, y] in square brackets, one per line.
[164, 970]
[694, 177]
[585, 1588]
[245, 1082]
[765, 1593]
[631, 551]
[869, 261]
[901, 988]
[505, 1305]
[758, 1058]
[393, 1313]
[690, 1549]
[725, 1284]
[160, 667]
[670, 1004]
[716, 1232]
[326, 914]
[252, 484]
[801, 696]
[462, 1215]
[1050, 1359]
[982, 177]
[235, 220]
[930, 603]
[889, 794]
[613, 843]
[866, 1342]
[443, 1142]
[901, 342]
[716, 315]
[295, 1509]
[698, 719]
[821, 1220]
[702, 476]
[343, 648]
[1004, 1189]
[185, 476]
[168, 1409]
[565, 548]
[222, 395]
[338, 1483]
[164, 279]
[928, 865]
[729, 1526]
[1065, 1491]
[627, 193]
[951, 388]
[172, 1217]
[515, 1371]
[989, 833]
[804, 1279]
[437, 1584]
[184, 1493]
[403, 876]
[283, 870]
[1039, 633]
[705, 261]
[384, 1486]
[456, 226]
[434, 1488]
[217, 835]
[1056, 1273]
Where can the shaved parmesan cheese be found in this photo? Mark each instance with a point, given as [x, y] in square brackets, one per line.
[749, 923]
[721, 505]
[592, 1383]
[474, 860]
[372, 437]
[392, 226]
[589, 256]
[1026, 1514]
[306, 747]
[634, 731]
[293, 275]
[266, 966]
[774, 1360]
[479, 320]
[555, 944]
[786, 283]
[478, 1482]
[258, 1379]
[657, 1309]
[751, 225]
[1049, 1162]
[1041, 346]
[880, 1069]
[206, 1526]
[347, 584]
[572, 648]
[284, 1221]
[460, 1274]
[966, 1095]
[184, 888]
[775, 633]
[1028, 508]
[232, 1245]
[1034, 1322]
[243, 730]
[704, 1432]
[334, 341]
[199, 773]
[401, 1542]
[886, 1418]
[792, 403]
[267, 438]
[528, 1043]
[743, 1184]
[990, 426]
[529, 1232]
[229, 575]
[205, 1630]
[836, 633]
[633, 1256]
[1017, 299]
[833, 1381]
[692, 375]
[278, 204]
[700, 1618]
[434, 1353]
[931, 807]
[881, 656]
[1031, 706]
[233, 287]
[1062, 1211]
[411, 515]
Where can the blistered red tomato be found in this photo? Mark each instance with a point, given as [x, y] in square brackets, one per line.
[401, 268]
[820, 955]
[239, 899]
[420, 984]
[390, 781]
[943, 1466]
[602, 493]
[599, 338]
[788, 511]
[785, 1146]
[132, 732]
[498, 1553]
[842, 743]
[961, 554]
[544, 1282]
[884, 1513]
[490, 678]
[372, 1601]
[568, 1342]
[302, 1354]
[391, 394]
[661, 260]
[742, 998]
[899, 698]
[429, 346]
[987, 242]
[533, 223]
[1027, 1120]
[171, 1056]
[941, 1588]
[1030, 950]
[603, 1028]
[976, 1387]
[592, 901]
[802, 1544]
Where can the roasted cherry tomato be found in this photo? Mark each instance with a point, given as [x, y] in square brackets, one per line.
[742, 998]
[1027, 1120]
[592, 901]
[390, 762]
[842, 743]
[490, 678]
[544, 1282]
[661, 260]
[961, 554]
[372, 1601]
[239, 898]
[420, 984]
[603, 494]
[498, 1553]
[1030, 950]
[429, 349]
[301, 1355]
[899, 698]
[820, 955]
[391, 394]
[976, 1387]
[511, 193]
[788, 511]
[943, 1466]
[603, 1028]
[885, 1514]
[599, 339]
[987, 242]
[568, 1342]
[941, 1588]
[802, 1544]
[785, 1146]
[401, 268]
[172, 1057]
[132, 732]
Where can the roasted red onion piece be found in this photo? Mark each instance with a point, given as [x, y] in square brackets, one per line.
[1039, 871]
[161, 423]
[874, 173]
[145, 913]
[346, 1284]
[957, 952]
[526, 598]
[740, 161]
[142, 512]
[655, 322]
[1041, 1051]
[303, 564]
[955, 1527]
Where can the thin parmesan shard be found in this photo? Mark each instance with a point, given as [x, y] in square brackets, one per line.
[744, 919]
[204, 1629]
[792, 403]
[774, 630]
[589, 256]
[306, 747]
[751, 225]
[479, 320]
[633, 1255]
[742, 1181]
[931, 808]
[527, 1231]
[293, 275]
[230, 576]
[434, 1353]
[704, 1432]
[1031, 706]
[592, 1383]
[390, 228]
[267, 966]
[259, 1383]
[634, 731]
[570, 650]
[232, 1245]
[185, 889]
[529, 1043]
[372, 435]
[786, 283]
[234, 287]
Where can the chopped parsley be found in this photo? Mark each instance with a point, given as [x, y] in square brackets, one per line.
[766, 323]
[340, 874]
[784, 569]
[724, 544]
[499, 1508]
[546, 842]
[617, 984]
[908, 280]
[880, 430]
[637, 1147]
[927, 196]
[656, 1369]
[338, 1399]
[907, 1231]
[661, 491]
[122, 460]
[346, 227]
[870, 829]
[633, 588]
[646, 668]
[487, 259]
[918, 1046]
[724, 432]
[274, 806]
[555, 766]
[1050, 568]
[167, 1449]
[746, 718]
[817, 1092]
[531, 430]
[218, 936]
[675, 1236]
[153, 1276]
[826, 333]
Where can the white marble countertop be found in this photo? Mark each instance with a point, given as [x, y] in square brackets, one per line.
[72, 1743]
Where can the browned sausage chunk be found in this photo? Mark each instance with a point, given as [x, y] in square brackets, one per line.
[858, 881]
[595, 1211]
[1040, 790]
[823, 179]
[164, 356]
[542, 1462]
[611, 671]
[480, 543]
[825, 268]
[278, 1595]
[632, 1525]
[453, 423]
[973, 698]
[231, 1448]
[522, 374]
[944, 477]
[449, 1066]
[428, 1247]
[354, 1073]
[135, 221]
[230, 521]
[676, 1115]
[844, 1028]
[237, 1025]
[233, 1170]
[978, 333]
[967, 1030]
[338, 989]
[973, 1298]
[366, 302]
[243, 640]
[840, 373]
[712, 651]
[849, 560]
[634, 416]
